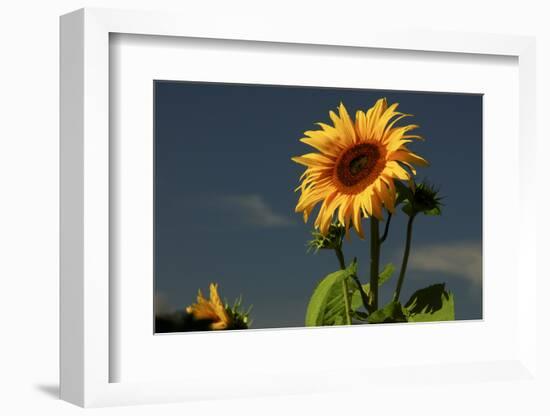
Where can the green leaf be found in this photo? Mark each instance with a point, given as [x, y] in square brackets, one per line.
[430, 304]
[433, 212]
[339, 320]
[385, 274]
[391, 313]
[362, 316]
[326, 305]
[356, 300]
[383, 277]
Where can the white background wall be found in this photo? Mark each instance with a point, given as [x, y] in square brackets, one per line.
[29, 185]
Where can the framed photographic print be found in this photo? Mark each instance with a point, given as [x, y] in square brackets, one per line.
[286, 200]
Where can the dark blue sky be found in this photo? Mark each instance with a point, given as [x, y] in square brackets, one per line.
[224, 200]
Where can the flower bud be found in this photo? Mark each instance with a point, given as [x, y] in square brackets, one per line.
[332, 240]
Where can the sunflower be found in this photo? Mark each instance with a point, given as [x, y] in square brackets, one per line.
[211, 310]
[358, 161]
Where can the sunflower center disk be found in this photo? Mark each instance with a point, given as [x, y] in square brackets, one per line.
[356, 164]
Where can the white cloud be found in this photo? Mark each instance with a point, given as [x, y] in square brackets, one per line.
[254, 210]
[462, 259]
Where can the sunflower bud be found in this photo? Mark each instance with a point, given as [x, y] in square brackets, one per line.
[332, 240]
[240, 319]
[420, 198]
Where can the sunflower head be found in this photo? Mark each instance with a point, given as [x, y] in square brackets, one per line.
[211, 309]
[219, 314]
[352, 173]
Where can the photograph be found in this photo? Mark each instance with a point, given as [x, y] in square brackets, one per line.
[280, 206]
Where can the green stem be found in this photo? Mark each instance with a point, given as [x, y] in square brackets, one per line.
[345, 292]
[374, 262]
[345, 289]
[386, 228]
[405, 259]
[364, 296]
[340, 256]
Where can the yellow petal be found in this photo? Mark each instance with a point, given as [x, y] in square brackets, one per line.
[343, 210]
[361, 125]
[313, 159]
[357, 216]
[408, 165]
[366, 201]
[394, 138]
[407, 156]
[391, 185]
[333, 206]
[214, 297]
[385, 195]
[347, 215]
[377, 206]
[323, 144]
[413, 136]
[324, 217]
[330, 131]
[373, 114]
[218, 325]
[347, 123]
[383, 120]
[338, 124]
[391, 125]
[397, 171]
[308, 200]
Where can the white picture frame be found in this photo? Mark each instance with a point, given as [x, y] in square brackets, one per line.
[85, 209]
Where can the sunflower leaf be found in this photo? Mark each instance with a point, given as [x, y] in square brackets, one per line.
[362, 316]
[391, 313]
[430, 304]
[326, 305]
[433, 212]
